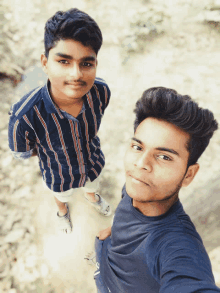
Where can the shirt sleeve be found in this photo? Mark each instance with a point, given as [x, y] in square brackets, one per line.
[107, 95]
[184, 267]
[103, 92]
[22, 155]
[21, 140]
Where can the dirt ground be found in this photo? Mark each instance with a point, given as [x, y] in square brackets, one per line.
[146, 43]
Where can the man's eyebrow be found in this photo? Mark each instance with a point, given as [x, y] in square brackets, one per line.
[64, 56]
[167, 150]
[89, 58]
[137, 140]
[159, 148]
[86, 58]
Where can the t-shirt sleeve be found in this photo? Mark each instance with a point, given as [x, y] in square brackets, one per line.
[21, 139]
[184, 267]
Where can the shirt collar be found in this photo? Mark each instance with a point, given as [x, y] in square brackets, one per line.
[49, 104]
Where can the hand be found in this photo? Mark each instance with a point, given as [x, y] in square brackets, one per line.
[102, 235]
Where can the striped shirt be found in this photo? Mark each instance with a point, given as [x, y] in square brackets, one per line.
[68, 148]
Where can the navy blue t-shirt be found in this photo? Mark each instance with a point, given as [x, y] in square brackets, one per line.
[155, 254]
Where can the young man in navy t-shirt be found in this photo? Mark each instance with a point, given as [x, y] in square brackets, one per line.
[152, 245]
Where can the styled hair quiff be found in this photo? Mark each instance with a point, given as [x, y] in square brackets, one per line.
[72, 24]
[180, 110]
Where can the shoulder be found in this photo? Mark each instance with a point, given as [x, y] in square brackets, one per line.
[26, 103]
[182, 249]
[101, 81]
[172, 240]
[101, 85]
[181, 242]
[101, 92]
[177, 233]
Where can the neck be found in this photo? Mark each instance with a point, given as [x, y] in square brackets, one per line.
[155, 208]
[66, 103]
[63, 101]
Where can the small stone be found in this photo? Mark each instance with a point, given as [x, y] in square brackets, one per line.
[4, 132]
[31, 229]
[22, 192]
[36, 274]
[16, 38]
[6, 161]
[14, 235]
[4, 145]
[4, 247]
[44, 270]
[8, 15]
[30, 261]
[13, 290]
[212, 16]
[10, 220]
[3, 264]
[5, 284]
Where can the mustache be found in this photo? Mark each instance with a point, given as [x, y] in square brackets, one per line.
[80, 82]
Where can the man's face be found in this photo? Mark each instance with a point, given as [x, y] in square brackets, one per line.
[156, 161]
[71, 69]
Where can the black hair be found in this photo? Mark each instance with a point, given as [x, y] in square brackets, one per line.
[180, 110]
[72, 24]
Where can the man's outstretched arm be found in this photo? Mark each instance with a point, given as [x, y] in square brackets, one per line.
[184, 266]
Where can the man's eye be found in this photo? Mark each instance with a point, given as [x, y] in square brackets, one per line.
[136, 147]
[164, 157]
[63, 62]
[86, 64]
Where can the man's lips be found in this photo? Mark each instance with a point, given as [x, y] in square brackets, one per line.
[76, 84]
[138, 180]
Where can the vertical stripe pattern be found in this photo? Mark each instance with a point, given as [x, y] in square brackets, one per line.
[45, 152]
[68, 149]
[27, 141]
[106, 95]
[63, 147]
[14, 135]
[89, 97]
[50, 146]
[98, 96]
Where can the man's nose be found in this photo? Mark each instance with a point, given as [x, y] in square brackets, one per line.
[76, 72]
[144, 162]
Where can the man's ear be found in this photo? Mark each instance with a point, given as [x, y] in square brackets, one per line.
[190, 174]
[43, 60]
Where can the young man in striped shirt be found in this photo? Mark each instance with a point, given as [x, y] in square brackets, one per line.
[59, 121]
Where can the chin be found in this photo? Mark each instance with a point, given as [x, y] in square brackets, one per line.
[140, 194]
[75, 95]
[134, 193]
